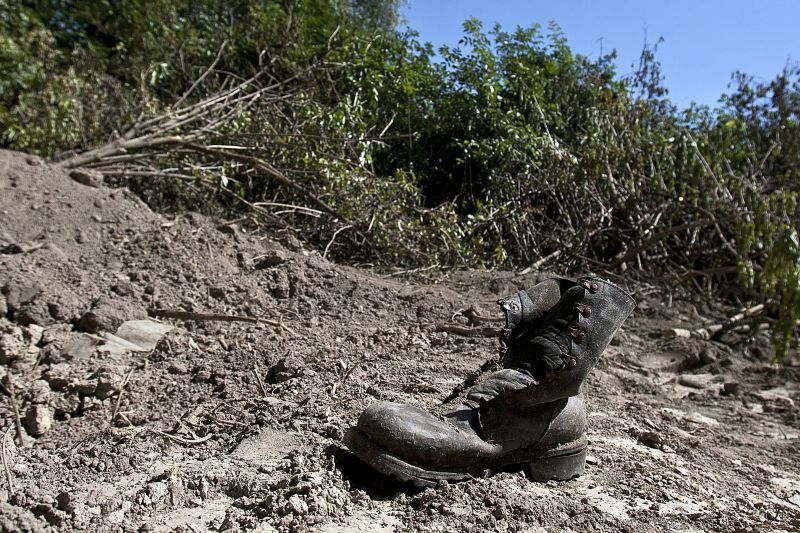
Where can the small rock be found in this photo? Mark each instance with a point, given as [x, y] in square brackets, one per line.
[33, 334]
[58, 376]
[65, 502]
[296, 505]
[177, 368]
[36, 311]
[695, 381]
[243, 261]
[284, 370]
[177, 492]
[158, 493]
[12, 344]
[730, 388]
[3, 306]
[38, 419]
[123, 288]
[18, 294]
[217, 292]
[56, 333]
[202, 376]
[107, 315]
[707, 356]
[107, 385]
[39, 392]
[271, 259]
[88, 177]
[281, 288]
[84, 386]
[651, 439]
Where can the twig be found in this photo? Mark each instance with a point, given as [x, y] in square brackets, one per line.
[316, 213]
[260, 382]
[541, 262]
[8, 385]
[414, 271]
[205, 74]
[119, 396]
[335, 233]
[5, 464]
[199, 440]
[712, 330]
[188, 315]
[344, 377]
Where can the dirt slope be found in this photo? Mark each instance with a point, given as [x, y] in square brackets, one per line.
[237, 425]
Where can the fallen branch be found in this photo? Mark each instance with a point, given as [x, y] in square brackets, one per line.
[483, 331]
[266, 168]
[541, 262]
[713, 330]
[188, 442]
[414, 271]
[212, 317]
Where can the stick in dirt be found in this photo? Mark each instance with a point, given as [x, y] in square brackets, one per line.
[712, 330]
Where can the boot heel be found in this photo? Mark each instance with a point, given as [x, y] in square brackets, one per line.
[560, 468]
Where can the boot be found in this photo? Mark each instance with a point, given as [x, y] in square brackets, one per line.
[530, 413]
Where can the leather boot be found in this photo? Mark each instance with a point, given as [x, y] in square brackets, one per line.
[530, 413]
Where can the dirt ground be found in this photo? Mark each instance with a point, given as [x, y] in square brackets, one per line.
[221, 425]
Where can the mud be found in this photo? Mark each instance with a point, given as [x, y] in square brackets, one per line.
[236, 424]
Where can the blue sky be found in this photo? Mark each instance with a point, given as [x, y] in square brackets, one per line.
[705, 41]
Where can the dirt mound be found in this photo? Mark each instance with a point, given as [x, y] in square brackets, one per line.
[187, 374]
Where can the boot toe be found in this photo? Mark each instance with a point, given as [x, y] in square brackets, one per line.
[416, 435]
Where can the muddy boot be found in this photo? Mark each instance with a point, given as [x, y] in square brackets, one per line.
[530, 413]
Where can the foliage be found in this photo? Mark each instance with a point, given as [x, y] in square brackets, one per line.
[500, 152]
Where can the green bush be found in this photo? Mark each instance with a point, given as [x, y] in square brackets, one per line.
[500, 152]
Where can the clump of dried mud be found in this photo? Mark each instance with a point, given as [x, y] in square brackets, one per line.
[236, 424]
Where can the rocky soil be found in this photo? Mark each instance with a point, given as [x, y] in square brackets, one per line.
[184, 374]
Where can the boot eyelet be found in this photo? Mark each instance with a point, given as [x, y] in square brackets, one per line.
[584, 310]
[570, 361]
[577, 335]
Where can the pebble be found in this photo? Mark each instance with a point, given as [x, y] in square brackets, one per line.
[38, 419]
[296, 505]
[58, 376]
[107, 386]
[39, 392]
[88, 177]
[730, 388]
[177, 368]
[707, 356]
[202, 376]
[271, 259]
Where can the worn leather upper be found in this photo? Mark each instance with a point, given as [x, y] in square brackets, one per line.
[558, 331]
[468, 435]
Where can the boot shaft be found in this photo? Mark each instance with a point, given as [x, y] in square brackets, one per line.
[561, 345]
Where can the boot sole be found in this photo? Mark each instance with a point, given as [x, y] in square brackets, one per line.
[563, 464]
